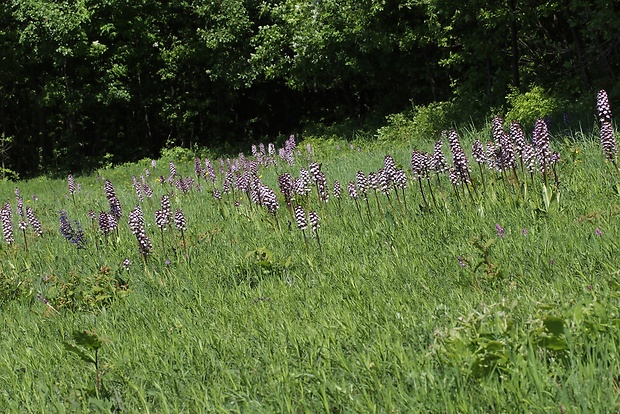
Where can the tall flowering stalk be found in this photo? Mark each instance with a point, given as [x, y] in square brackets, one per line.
[107, 223]
[302, 224]
[23, 226]
[71, 187]
[161, 221]
[115, 205]
[138, 188]
[353, 194]
[400, 182]
[540, 139]
[460, 172]
[477, 152]
[7, 223]
[362, 188]
[181, 225]
[608, 140]
[72, 231]
[285, 184]
[136, 225]
[314, 219]
[420, 170]
[34, 222]
[337, 191]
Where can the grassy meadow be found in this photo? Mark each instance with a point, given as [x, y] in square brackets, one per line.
[500, 294]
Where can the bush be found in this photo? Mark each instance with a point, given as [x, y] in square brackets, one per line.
[527, 107]
[422, 124]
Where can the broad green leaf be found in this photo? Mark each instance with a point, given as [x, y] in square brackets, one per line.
[79, 352]
[554, 325]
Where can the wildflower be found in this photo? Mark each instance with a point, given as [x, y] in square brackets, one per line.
[285, 184]
[608, 141]
[73, 232]
[107, 223]
[136, 220]
[337, 189]
[300, 217]
[136, 225]
[166, 208]
[462, 262]
[270, 201]
[71, 184]
[7, 225]
[362, 183]
[524, 232]
[160, 219]
[321, 186]
[459, 159]
[389, 166]
[209, 170]
[602, 106]
[198, 167]
[500, 230]
[179, 220]
[138, 188]
[126, 264]
[20, 206]
[518, 137]
[438, 159]
[598, 232]
[477, 151]
[352, 190]
[315, 169]
[34, 222]
[420, 163]
[313, 218]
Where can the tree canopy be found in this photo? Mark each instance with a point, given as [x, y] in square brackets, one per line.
[84, 79]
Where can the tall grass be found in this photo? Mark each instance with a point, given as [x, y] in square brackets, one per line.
[411, 306]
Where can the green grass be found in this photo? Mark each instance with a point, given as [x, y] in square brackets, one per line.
[382, 319]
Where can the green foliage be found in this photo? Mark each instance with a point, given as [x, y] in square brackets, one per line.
[423, 124]
[534, 104]
[482, 343]
[259, 265]
[85, 342]
[86, 292]
[12, 286]
[221, 74]
[177, 154]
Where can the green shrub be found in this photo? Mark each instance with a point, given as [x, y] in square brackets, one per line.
[527, 107]
[423, 123]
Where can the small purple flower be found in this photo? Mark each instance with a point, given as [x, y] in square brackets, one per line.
[462, 261]
[168, 262]
[500, 230]
[524, 231]
[598, 232]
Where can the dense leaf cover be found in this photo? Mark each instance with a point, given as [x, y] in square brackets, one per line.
[87, 81]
